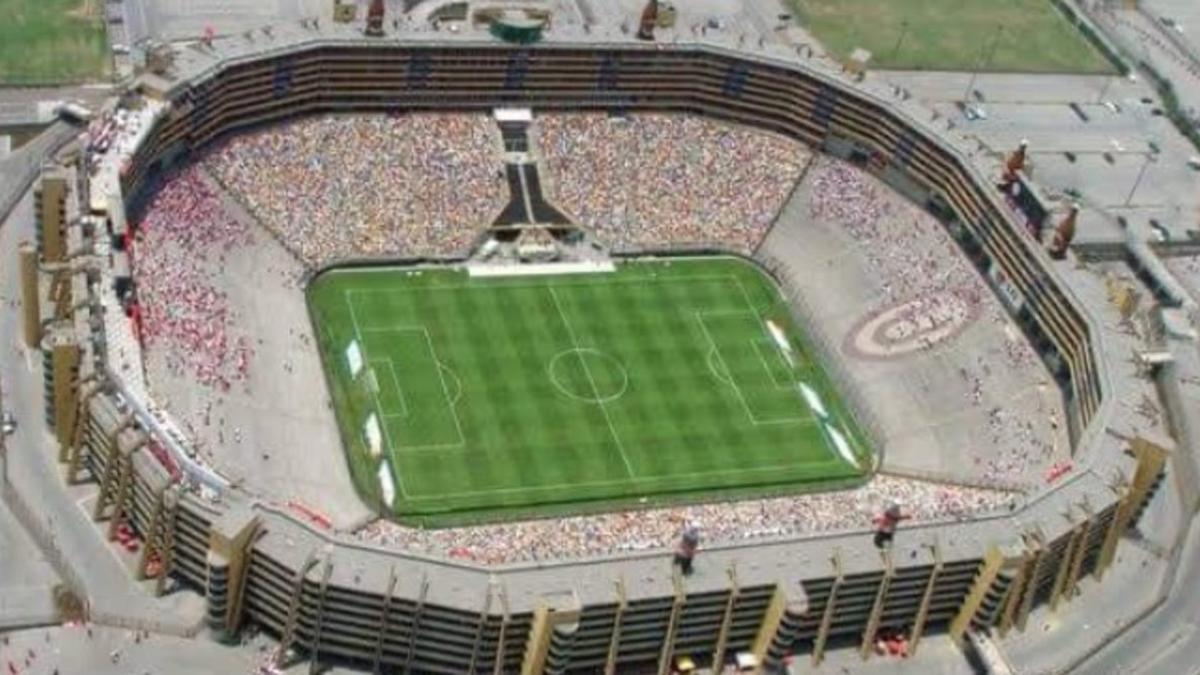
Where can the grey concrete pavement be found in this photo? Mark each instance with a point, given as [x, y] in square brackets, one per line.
[27, 581]
[62, 529]
[1166, 641]
[932, 85]
[35, 105]
[189, 19]
[18, 169]
[937, 655]
[1120, 157]
[1184, 13]
[95, 650]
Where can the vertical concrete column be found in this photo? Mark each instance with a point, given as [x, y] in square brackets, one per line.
[485, 613]
[918, 630]
[1024, 581]
[873, 619]
[64, 360]
[553, 610]
[314, 660]
[50, 207]
[384, 617]
[614, 640]
[1071, 587]
[1150, 461]
[726, 620]
[153, 540]
[167, 556]
[83, 418]
[538, 644]
[125, 477]
[418, 621]
[1038, 539]
[112, 470]
[31, 304]
[229, 544]
[505, 623]
[989, 571]
[818, 654]
[778, 629]
[293, 612]
[1064, 562]
[677, 601]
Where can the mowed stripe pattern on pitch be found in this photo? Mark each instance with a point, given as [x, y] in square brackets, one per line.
[657, 379]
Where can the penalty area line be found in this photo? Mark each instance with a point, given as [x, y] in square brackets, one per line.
[387, 435]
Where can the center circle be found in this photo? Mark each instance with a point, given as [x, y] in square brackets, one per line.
[588, 375]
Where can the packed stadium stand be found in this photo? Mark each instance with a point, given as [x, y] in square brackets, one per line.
[332, 597]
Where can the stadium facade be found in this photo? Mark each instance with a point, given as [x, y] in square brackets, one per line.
[332, 598]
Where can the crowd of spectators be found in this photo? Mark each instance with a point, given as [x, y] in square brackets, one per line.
[655, 180]
[339, 186]
[907, 249]
[182, 235]
[352, 185]
[658, 529]
[911, 256]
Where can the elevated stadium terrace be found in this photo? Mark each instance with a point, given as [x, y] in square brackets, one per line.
[337, 599]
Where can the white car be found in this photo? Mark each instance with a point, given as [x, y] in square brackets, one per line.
[975, 112]
[9, 424]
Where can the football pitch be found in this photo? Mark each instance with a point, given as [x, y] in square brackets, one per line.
[1023, 36]
[464, 398]
[52, 41]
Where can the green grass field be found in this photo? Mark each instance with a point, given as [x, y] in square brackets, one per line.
[52, 41]
[499, 397]
[953, 34]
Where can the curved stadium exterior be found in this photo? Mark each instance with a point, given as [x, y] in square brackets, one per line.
[336, 599]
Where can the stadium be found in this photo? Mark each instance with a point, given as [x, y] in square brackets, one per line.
[419, 356]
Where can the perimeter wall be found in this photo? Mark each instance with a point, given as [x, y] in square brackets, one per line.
[330, 598]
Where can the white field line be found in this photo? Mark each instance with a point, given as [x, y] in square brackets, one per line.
[725, 366]
[462, 439]
[573, 281]
[755, 344]
[375, 399]
[625, 481]
[396, 382]
[805, 421]
[445, 389]
[591, 380]
[733, 381]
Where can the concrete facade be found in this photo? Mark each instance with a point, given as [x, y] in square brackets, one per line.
[332, 598]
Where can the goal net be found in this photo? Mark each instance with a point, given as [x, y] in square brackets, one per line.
[370, 381]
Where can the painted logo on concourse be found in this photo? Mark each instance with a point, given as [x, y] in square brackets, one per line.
[912, 325]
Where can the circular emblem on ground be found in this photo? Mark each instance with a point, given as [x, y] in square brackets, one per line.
[910, 326]
[588, 375]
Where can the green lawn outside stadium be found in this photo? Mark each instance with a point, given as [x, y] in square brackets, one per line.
[52, 42]
[1031, 36]
[503, 397]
